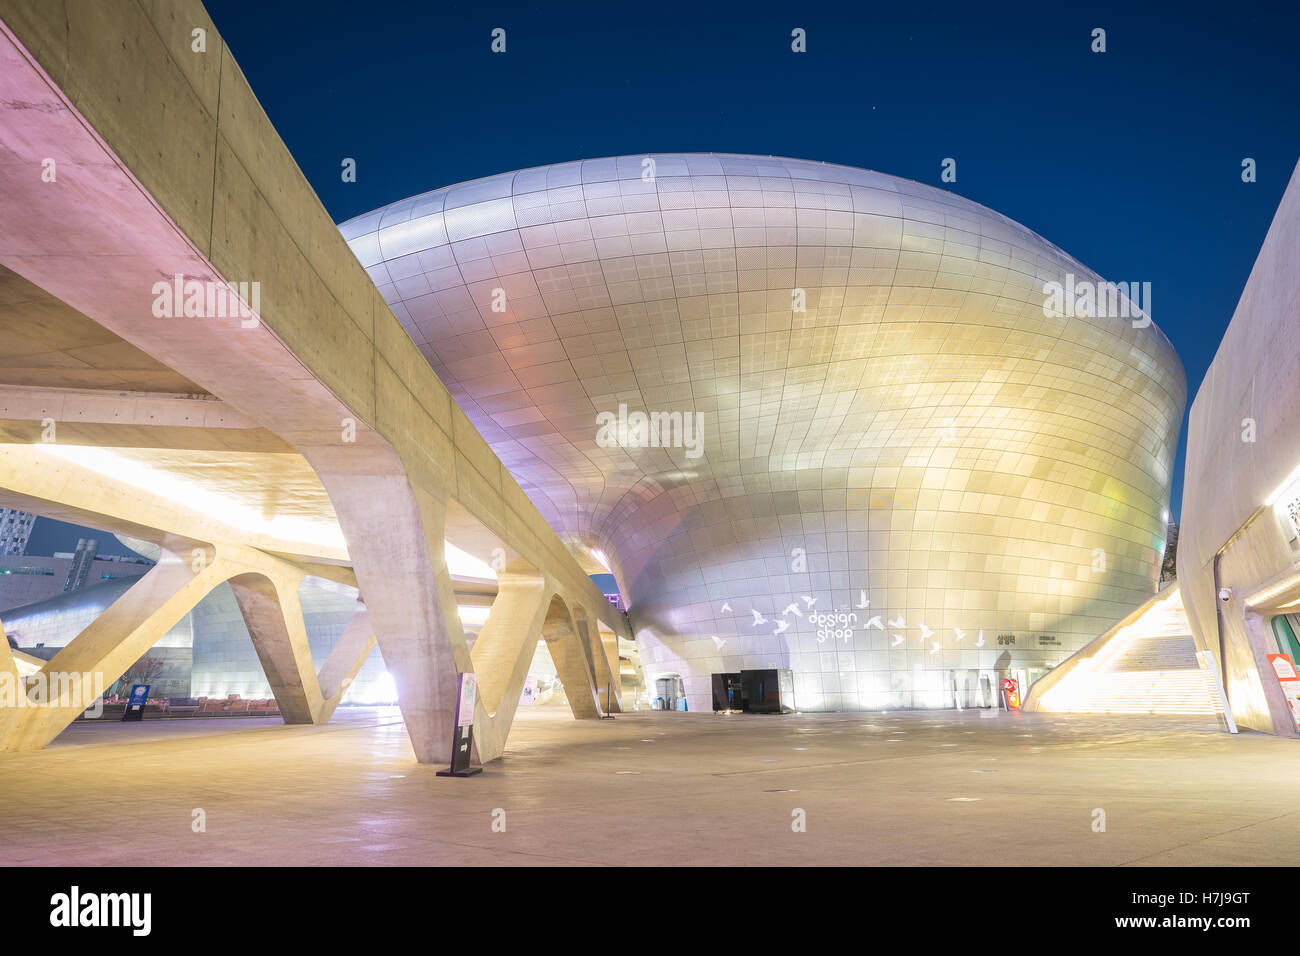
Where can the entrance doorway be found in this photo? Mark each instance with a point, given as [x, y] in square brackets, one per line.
[727, 692]
[669, 693]
[755, 691]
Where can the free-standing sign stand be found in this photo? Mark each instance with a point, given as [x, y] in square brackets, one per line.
[463, 730]
[609, 701]
[135, 703]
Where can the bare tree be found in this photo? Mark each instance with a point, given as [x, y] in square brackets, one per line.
[144, 671]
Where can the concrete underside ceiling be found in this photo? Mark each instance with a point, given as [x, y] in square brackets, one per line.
[117, 411]
[118, 414]
[58, 365]
[49, 344]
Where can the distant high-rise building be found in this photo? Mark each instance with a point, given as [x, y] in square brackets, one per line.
[81, 562]
[15, 529]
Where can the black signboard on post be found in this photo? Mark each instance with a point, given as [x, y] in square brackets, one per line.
[609, 701]
[462, 738]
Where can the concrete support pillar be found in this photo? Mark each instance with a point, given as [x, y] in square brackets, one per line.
[351, 651]
[114, 641]
[266, 590]
[502, 655]
[274, 618]
[395, 541]
[602, 669]
[273, 613]
[607, 640]
[572, 660]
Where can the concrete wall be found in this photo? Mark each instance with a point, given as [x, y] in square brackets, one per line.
[1243, 443]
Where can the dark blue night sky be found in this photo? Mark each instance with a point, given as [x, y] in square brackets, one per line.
[1128, 160]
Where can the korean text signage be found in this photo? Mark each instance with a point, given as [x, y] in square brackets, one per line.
[1289, 679]
[135, 703]
[1011, 693]
[465, 706]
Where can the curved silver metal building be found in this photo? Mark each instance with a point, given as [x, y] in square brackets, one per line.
[812, 417]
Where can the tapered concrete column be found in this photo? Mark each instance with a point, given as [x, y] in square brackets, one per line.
[114, 641]
[572, 664]
[395, 542]
[606, 641]
[502, 656]
[273, 613]
[340, 668]
[598, 661]
[274, 618]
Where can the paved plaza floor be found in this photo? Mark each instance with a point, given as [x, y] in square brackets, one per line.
[653, 788]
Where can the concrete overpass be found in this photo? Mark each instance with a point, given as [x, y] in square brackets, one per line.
[304, 434]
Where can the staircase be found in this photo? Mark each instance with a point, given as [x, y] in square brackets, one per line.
[1146, 665]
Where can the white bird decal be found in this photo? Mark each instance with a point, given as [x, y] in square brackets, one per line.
[980, 642]
[726, 607]
[718, 641]
[793, 609]
[781, 627]
[758, 618]
[899, 623]
[935, 649]
[862, 600]
[810, 601]
[875, 622]
[959, 632]
[926, 633]
[898, 639]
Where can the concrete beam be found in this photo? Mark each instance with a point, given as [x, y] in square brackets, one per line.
[129, 420]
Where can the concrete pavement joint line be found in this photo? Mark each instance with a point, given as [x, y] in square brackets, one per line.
[1212, 836]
